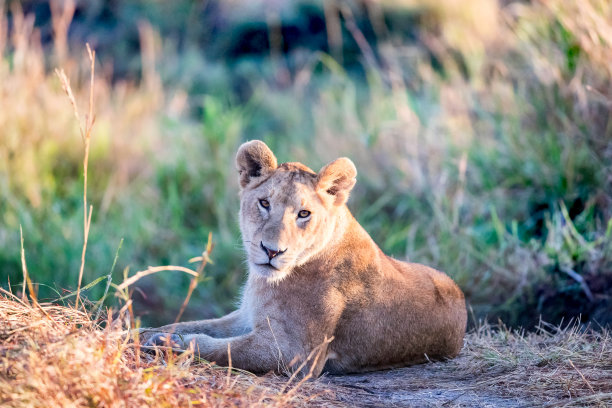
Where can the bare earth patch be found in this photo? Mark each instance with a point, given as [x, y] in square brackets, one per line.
[430, 385]
[56, 356]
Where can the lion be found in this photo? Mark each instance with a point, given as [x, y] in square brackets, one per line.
[319, 290]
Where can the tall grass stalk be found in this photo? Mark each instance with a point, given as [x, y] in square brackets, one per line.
[86, 136]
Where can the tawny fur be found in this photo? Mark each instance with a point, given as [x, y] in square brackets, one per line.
[331, 280]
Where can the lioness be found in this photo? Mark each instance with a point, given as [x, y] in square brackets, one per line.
[314, 274]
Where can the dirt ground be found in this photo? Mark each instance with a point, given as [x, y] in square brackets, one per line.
[426, 385]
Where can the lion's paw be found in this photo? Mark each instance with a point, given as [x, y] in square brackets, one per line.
[164, 340]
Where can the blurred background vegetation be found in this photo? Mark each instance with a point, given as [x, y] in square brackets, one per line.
[480, 129]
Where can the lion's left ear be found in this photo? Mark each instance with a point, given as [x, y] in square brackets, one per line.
[254, 159]
[337, 179]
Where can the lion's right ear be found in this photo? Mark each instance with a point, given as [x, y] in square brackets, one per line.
[254, 159]
[337, 179]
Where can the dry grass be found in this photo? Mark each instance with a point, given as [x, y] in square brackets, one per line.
[570, 365]
[555, 366]
[56, 356]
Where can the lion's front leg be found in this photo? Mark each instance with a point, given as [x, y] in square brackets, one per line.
[231, 325]
[254, 352]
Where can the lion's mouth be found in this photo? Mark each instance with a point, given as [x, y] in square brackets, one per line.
[267, 265]
[269, 271]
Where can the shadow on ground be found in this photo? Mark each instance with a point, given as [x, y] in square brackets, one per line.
[428, 385]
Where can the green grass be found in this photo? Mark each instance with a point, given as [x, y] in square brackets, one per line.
[489, 161]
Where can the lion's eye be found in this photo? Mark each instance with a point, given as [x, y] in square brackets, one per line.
[303, 214]
[264, 203]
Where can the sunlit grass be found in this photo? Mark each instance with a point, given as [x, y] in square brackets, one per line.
[55, 356]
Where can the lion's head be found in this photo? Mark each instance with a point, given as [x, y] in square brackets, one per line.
[288, 213]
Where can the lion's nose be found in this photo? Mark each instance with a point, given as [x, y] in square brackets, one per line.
[270, 252]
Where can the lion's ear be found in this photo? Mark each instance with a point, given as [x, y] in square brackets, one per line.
[254, 159]
[337, 179]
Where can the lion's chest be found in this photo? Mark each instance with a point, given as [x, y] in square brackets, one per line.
[298, 307]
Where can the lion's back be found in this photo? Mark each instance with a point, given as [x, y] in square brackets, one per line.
[409, 311]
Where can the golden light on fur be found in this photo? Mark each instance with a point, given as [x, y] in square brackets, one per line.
[315, 274]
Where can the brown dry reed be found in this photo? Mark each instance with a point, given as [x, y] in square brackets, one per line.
[57, 356]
